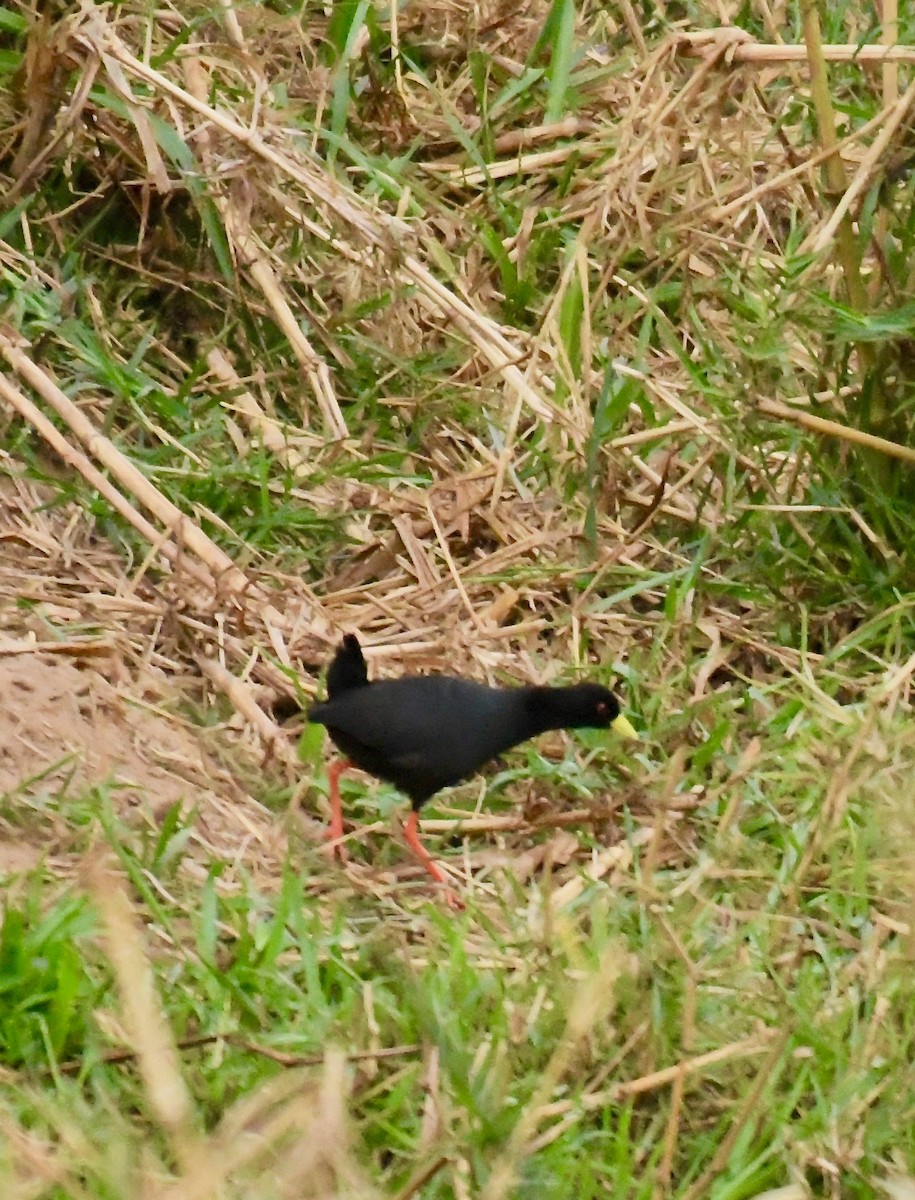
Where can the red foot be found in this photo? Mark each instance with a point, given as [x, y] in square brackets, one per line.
[411, 832]
[336, 849]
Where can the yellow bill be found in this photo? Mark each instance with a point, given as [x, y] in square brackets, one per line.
[624, 728]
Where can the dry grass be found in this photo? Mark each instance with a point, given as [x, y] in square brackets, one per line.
[526, 356]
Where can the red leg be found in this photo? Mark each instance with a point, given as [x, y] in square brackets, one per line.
[335, 830]
[411, 832]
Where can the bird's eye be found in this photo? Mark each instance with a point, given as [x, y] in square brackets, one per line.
[602, 708]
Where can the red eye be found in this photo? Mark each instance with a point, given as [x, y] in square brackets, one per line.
[602, 708]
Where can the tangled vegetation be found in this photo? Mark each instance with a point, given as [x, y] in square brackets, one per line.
[531, 341]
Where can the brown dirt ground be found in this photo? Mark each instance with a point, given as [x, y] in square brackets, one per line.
[70, 726]
[84, 702]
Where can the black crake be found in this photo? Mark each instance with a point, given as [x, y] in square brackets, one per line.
[426, 732]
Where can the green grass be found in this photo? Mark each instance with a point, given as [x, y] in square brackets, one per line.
[753, 923]
[776, 929]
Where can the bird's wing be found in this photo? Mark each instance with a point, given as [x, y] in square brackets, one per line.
[451, 722]
[372, 716]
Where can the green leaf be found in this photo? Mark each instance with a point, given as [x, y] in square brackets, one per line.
[12, 22]
[310, 747]
[560, 68]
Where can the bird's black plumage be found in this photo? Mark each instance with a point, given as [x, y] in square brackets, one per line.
[423, 733]
[347, 671]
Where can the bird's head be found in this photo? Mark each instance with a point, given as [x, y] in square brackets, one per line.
[583, 706]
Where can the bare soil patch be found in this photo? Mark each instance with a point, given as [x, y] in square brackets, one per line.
[89, 699]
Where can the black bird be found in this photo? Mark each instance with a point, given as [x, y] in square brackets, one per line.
[423, 733]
